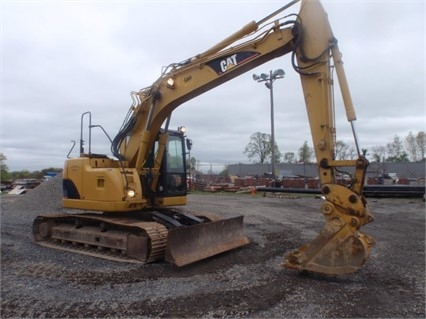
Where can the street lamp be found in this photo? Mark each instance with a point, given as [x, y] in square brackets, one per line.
[269, 80]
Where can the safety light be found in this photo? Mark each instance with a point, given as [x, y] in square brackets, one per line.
[171, 83]
[182, 129]
[131, 193]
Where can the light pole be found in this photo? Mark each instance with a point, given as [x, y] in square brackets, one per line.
[269, 83]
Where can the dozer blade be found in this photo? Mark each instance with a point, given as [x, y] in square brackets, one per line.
[338, 249]
[186, 245]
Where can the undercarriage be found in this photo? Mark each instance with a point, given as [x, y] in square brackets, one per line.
[141, 237]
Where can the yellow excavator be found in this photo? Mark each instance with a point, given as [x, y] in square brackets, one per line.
[130, 203]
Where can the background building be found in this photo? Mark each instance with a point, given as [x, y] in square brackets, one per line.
[407, 172]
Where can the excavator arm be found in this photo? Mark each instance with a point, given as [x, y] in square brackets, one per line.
[340, 247]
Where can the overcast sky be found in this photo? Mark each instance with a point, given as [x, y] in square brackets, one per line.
[63, 58]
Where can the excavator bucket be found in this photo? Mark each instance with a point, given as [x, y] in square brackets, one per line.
[186, 245]
[338, 249]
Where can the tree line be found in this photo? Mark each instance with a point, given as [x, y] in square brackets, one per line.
[411, 148]
[7, 175]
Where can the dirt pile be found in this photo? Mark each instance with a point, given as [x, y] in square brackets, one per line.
[47, 197]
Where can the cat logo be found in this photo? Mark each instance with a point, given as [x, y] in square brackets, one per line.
[226, 63]
[187, 80]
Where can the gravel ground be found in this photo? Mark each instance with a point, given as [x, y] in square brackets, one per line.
[246, 282]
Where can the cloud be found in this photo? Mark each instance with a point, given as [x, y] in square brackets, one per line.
[60, 59]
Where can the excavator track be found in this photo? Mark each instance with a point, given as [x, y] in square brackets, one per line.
[118, 239]
[177, 237]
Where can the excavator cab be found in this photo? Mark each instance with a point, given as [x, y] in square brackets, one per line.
[172, 179]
